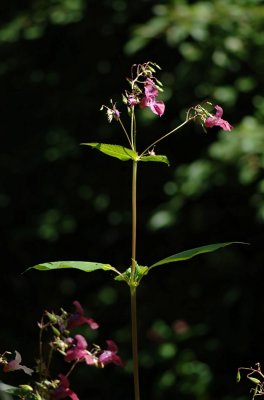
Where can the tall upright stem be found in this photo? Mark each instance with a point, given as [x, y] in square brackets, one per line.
[133, 285]
[133, 297]
[134, 219]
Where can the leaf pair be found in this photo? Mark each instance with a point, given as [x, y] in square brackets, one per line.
[88, 266]
[125, 154]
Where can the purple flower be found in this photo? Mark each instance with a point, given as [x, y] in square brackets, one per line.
[132, 99]
[78, 318]
[14, 365]
[216, 120]
[114, 113]
[79, 352]
[149, 100]
[110, 355]
[63, 390]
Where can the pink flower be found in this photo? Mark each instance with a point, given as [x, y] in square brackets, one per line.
[14, 365]
[132, 99]
[149, 100]
[63, 390]
[78, 318]
[79, 351]
[110, 355]
[216, 120]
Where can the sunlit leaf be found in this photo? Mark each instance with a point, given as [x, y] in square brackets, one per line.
[187, 254]
[155, 158]
[113, 150]
[85, 266]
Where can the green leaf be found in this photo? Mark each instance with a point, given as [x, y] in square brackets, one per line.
[12, 390]
[155, 158]
[238, 377]
[85, 266]
[186, 255]
[113, 150]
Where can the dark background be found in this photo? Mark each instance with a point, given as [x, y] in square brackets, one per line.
[60, 60]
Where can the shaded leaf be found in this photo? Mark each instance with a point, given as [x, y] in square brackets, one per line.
[113, 150]
[85, 266]
[187, 254]
[155, 158]
[12, 390]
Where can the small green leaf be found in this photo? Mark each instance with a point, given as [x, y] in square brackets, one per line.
[125, 276]
[238, 377]
[113, 150]
[155, 158]
[85, 266]
[186, 255]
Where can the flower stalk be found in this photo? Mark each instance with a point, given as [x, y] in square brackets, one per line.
[133, 285]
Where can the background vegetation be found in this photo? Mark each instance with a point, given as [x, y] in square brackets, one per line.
[59, 61]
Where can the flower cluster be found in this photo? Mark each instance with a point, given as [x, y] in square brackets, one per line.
[207, 119]
[73, 347]
[144, 90]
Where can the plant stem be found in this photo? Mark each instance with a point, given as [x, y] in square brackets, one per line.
[167, 134]
[134, 220]
[133, 298]
[133, 284]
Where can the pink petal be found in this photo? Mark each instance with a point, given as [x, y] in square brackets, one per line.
[89, 359]
[210, 122]
[150, 89]
[219, 111]
[224, 125]
[78, 307]
[80, 342]
[157, 107]
[64, 381]
[15, 365]
[63, 390]
[112, 346]
[108, 357]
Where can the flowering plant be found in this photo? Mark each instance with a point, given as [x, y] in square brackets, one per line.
[74, 349]
[143, 92]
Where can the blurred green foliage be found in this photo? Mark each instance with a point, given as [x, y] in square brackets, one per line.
[60, 60]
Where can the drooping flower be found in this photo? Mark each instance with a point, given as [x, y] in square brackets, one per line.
[78, 351]
[216, 120]
[63, 390]
[15, 365]
[149, 100]
[78, 318]
[110, 355]
[112, 113]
